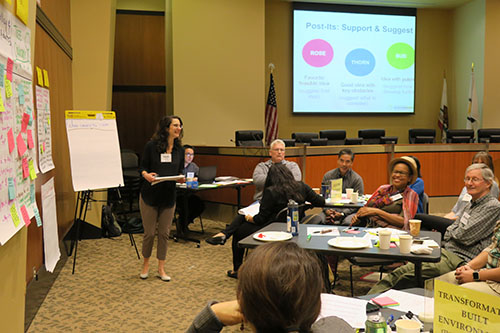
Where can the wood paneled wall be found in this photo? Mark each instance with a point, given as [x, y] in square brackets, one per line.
[49, 56]
[138, 76]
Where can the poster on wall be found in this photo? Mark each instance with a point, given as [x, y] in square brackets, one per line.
[18, 136]
[44, 129]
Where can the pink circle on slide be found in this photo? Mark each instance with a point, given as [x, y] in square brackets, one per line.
[317, 53]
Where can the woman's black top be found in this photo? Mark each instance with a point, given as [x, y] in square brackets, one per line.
[161, 194]
[272, 202]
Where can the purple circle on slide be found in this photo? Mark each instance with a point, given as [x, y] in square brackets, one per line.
[317, 53]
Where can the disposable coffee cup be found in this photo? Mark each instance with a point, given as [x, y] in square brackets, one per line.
[348, 192]
[407, 326]
[354, 197]
[384, 239]
[405, 243]
[415, 227]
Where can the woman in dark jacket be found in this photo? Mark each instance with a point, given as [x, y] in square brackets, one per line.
[163, 156]
[280, 187]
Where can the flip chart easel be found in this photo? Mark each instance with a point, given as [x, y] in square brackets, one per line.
[94, 151]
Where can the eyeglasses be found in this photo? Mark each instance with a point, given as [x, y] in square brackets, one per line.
[473, 179]
[400, 173]
[188, 154]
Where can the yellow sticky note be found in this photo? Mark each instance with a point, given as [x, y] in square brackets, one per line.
[22, 10]
[39, 76]
[31, 166]
[8, 89]
[46, 78]
[2, 107]
[15, 217]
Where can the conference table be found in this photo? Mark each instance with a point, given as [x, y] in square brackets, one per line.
[182, 190]
[320, 244]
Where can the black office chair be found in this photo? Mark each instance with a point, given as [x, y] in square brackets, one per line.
[304, 137]
[388, 139]
[334, 137]
[289, 142]
[421, 135]
[353, 141]
[425, 203]
[252, 138]
[319, 142]
[488, 135]
[460, 136]
[371, 136]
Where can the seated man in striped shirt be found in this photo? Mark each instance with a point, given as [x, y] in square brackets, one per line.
[463, 240]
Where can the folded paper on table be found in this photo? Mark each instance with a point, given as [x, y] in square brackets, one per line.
[251, 210]
[166, 178]
[408, 301]
[352, 310]
[420, 249]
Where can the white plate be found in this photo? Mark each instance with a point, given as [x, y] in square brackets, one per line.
[272, 236]
[349, 242]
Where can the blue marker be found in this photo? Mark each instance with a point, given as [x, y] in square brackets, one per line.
[390, 320]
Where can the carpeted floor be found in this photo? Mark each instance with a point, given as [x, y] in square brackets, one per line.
[106, 295]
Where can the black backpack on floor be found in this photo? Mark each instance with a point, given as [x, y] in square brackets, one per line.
[109, 226]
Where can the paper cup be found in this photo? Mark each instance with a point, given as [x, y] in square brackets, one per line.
[354, 197]
[407, 326]
[384, 239]
[405, 243]
[348, 192]
[415, 227]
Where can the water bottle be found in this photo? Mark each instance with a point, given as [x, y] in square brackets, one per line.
[194, 184]
[189, 182]
[292, 219]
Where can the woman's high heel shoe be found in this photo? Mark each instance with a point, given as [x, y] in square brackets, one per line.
[219, 240]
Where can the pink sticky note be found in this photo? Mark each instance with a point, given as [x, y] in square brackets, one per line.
[10, 64]
[10, 139]
[26, 170]
[25, 215]
[21, 146]
[24, 122]
[31, 144]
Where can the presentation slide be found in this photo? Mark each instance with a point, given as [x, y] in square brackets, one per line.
[353, 62]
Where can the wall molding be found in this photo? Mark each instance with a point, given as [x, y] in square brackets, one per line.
[46, 24]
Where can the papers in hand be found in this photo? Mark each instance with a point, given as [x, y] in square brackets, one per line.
[167, 178]
[251, 210]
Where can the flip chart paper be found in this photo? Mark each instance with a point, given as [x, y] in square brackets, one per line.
[50, 236]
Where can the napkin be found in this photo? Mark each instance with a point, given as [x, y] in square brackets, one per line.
[420, 249]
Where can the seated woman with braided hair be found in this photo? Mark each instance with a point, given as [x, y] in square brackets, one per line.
[279, 291]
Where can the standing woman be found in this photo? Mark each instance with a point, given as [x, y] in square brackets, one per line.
[163, 156]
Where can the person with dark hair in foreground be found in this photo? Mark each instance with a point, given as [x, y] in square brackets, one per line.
[279, 290]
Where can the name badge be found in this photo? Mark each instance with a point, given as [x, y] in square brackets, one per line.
[465, 218]
[396, 197]
[166, 158]
[190, 175]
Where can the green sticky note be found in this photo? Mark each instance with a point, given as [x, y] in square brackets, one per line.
[37, 216]
[32, 170]
[12, 189]
[2, 73]
[15, 217]
[32, 193]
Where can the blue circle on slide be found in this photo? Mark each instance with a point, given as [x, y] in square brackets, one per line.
[360, 62]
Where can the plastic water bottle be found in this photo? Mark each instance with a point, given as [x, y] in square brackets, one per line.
[292, 219]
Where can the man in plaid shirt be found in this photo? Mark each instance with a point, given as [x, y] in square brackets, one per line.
[463, 240]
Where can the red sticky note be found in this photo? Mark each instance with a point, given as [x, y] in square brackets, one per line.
[26, 170]
[26, 217]
[24, 122]
[21, 146]
[31, 144]
[10, 139]
[10, 64]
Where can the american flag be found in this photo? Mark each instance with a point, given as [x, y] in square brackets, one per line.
[271, 114]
